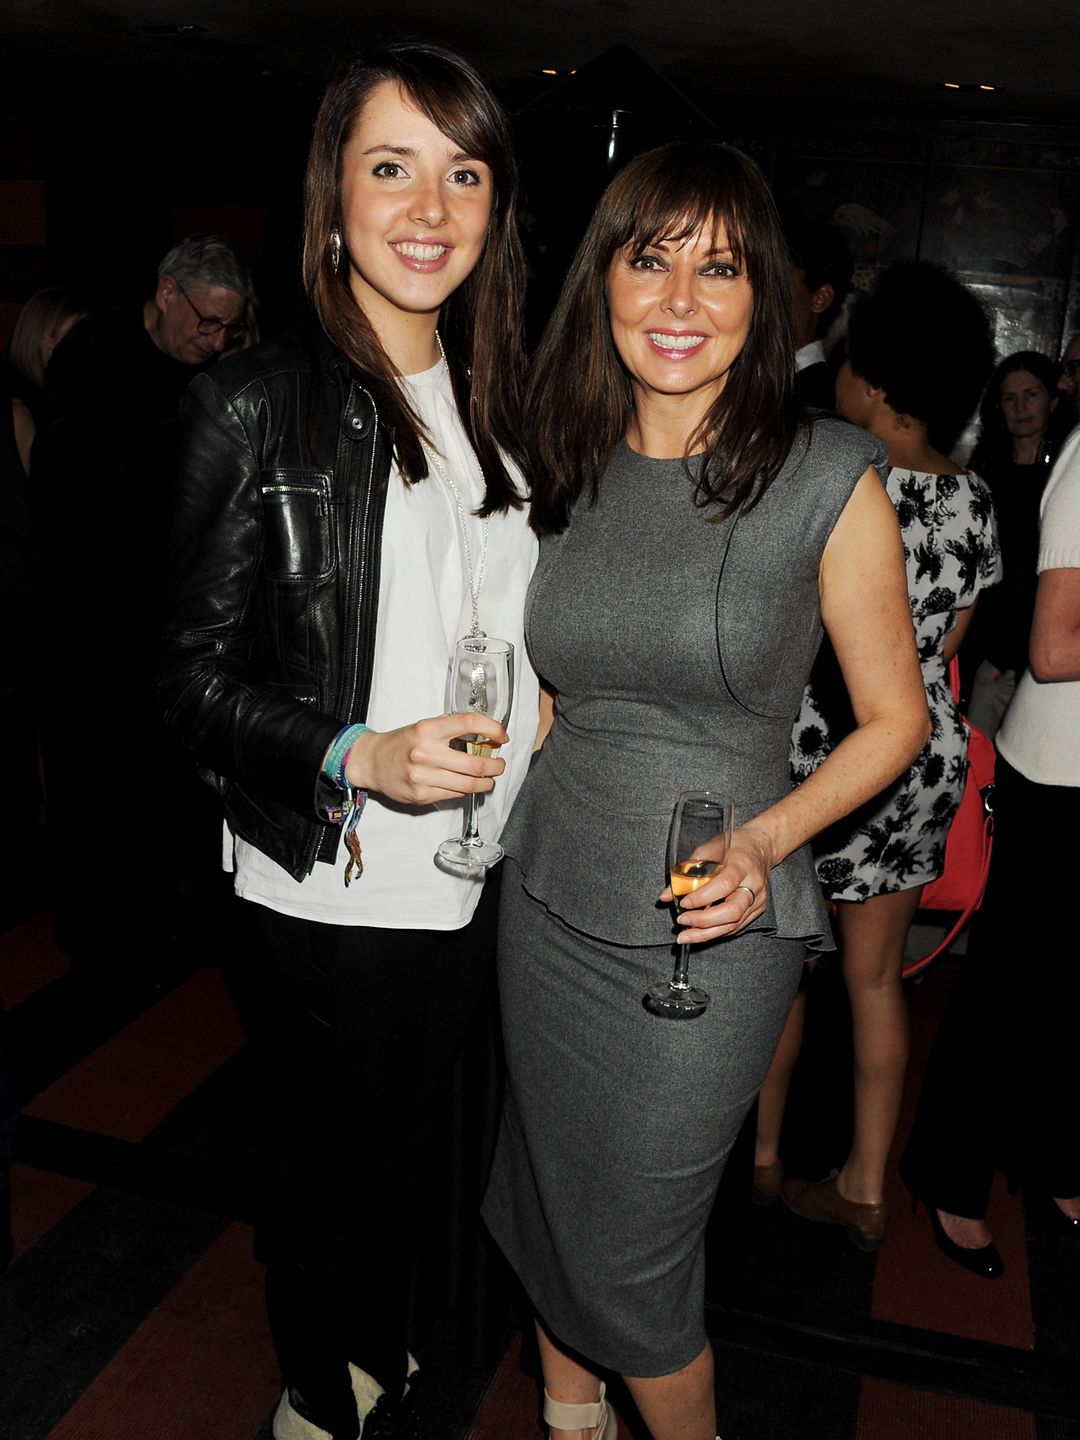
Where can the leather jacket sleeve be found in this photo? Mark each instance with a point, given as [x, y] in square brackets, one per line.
[245, 712]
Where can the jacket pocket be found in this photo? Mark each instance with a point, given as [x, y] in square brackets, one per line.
[299, 544]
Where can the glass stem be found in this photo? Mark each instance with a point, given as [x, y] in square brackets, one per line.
[470, 834]
[681, 979]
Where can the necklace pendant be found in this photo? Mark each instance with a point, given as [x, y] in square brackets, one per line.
[478, 690]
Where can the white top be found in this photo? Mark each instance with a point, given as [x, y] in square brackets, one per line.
[1040, 735]
[424, 609]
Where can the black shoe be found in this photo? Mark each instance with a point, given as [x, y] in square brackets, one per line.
[1069, 1223]
[391, 1421]
[985, 1261]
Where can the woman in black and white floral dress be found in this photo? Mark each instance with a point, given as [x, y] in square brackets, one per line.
[951, 553]
[876, 862]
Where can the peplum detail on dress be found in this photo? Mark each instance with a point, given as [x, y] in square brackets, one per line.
[601, 871]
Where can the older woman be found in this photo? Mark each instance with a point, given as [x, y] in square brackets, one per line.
[348, 508]
[696, 537]
[1022, 426]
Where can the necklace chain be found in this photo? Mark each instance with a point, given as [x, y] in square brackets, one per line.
[476, 579]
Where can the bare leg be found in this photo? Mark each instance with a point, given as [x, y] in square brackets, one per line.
[681, 1406]
[872, 953]
[566, 1380]
[773, 1097]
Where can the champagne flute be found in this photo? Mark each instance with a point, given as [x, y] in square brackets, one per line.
[481, 679]
[701, 827]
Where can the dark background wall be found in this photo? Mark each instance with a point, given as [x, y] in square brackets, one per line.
[1001, 210]
[94, 193]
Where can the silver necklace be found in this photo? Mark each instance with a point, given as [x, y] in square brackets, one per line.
[476, 580]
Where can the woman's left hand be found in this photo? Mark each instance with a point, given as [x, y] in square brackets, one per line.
[734, 897]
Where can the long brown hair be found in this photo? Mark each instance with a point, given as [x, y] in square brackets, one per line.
[481, 321]
[579, 401]
[993, 449]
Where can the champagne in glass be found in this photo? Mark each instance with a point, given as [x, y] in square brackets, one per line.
[701, 828]
[481, 679]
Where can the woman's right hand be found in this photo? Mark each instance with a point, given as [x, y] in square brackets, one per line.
[416, 765]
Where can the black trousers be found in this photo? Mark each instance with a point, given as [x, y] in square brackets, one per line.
[1000, 1086]
[355, 1032]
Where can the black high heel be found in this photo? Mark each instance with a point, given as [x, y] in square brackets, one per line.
[985, 1261]
[1071, 1223]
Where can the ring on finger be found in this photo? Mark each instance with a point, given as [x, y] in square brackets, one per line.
[751, 893]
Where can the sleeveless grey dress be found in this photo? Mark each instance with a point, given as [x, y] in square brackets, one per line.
[679, 649]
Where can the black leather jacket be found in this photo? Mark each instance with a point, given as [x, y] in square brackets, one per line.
[269, 644]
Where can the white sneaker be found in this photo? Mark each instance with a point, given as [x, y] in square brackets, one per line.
[289, 1424]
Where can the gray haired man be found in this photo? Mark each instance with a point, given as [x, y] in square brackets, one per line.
[102, 467]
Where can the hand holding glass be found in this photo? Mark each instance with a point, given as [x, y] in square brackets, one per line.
[701, 827]
[481, 679]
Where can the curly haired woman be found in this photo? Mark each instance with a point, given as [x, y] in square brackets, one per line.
[874, 863]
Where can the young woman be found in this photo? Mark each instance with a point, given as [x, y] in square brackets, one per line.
[695, 540]
[349, 508]
[875, 863]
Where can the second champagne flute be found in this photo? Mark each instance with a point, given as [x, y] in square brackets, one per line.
[482, 679]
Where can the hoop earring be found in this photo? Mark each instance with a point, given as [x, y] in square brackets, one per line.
[335, 250]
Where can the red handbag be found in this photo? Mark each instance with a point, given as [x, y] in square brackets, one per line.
[960, 888]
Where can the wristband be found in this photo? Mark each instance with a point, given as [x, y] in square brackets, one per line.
[337, 757]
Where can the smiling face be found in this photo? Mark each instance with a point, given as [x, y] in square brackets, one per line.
[414, 212]
[1025, 405]
[680, 313]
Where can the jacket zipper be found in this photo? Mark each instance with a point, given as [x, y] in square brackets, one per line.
[367, 629]
[358, 545]
[314, 490]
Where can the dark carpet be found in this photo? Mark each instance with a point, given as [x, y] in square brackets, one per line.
[134, 1304]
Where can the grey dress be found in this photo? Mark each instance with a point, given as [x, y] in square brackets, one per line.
[679, 649]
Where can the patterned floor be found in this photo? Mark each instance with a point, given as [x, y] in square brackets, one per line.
[134, 1306]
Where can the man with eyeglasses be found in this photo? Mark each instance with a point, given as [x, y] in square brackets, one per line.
[198, 308]
[101, 469]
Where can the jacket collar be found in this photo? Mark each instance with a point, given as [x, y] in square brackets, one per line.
[358, 411]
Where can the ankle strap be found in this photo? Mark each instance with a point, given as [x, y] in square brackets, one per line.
[574, 1417]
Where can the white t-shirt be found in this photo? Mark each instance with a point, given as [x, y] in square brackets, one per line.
[424, 609]
[1040, 735]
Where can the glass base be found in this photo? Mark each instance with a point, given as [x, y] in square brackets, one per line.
[474, 854]
[676, 1004]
